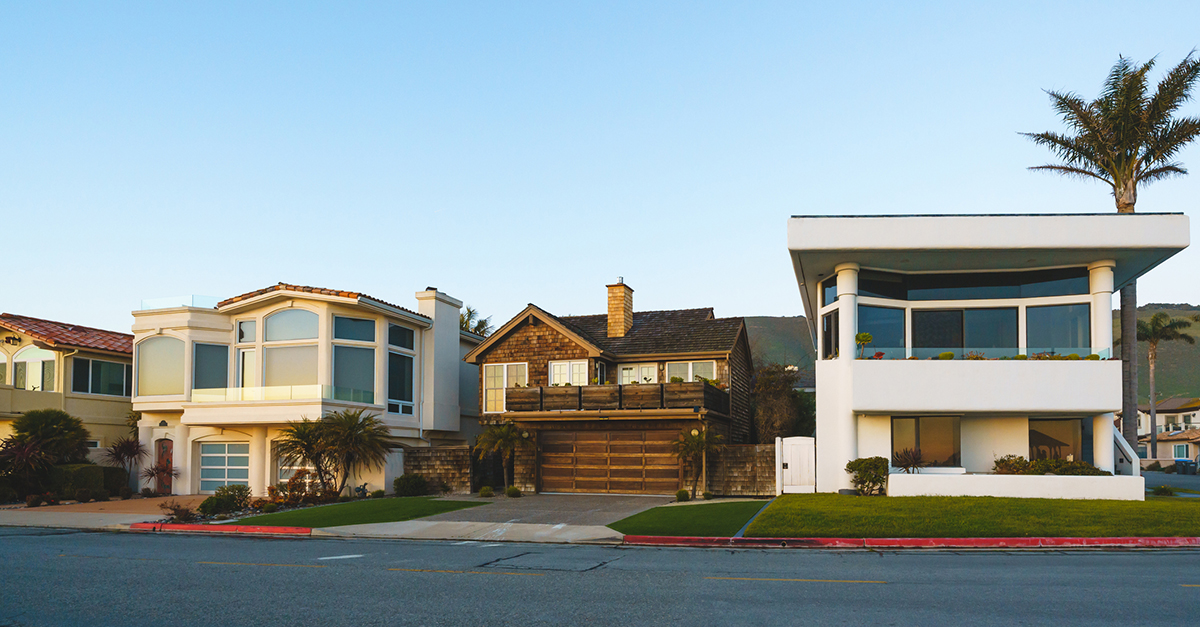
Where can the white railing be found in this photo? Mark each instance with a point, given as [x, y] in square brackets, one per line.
[282, 393]
[1135, 462]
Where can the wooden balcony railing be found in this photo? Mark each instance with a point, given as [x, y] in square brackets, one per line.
[615, 397]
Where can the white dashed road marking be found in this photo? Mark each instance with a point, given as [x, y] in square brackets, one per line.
[339, 557]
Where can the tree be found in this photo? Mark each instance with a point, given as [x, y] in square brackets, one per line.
[1124, 138]
[61, 435]
[469, 320]
[504, 439]
[1160, 328]
[780, 410]
[355, 441]
[126, 453]
[303, 443]
[693, 448]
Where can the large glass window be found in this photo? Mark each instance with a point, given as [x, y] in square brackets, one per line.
[973, 285]
[94, 376]
[353, 329]
[1052, 328]
[400, 336]
[400, 384]
[496, 377]
[290, 365]
[1056, 439]
[936, 437]
[988, 332]
[568, 372]
[224, 464]
[33, 369]
[829, 335]
[985, 330]
[886, 326]
[354, 374]
[691, 371]
[210, 366]
[829, 291]
[160, 366]
[292, 324]
[936, 331]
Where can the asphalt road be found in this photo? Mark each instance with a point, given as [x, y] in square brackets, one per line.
[51, 577]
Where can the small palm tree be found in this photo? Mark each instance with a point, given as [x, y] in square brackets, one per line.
[1123, 138]
[693, 448]
[161, 472]
[302, 443]
[355, 441]
[470, 320]
[505, 439]
[1160, 328]
[127, 453]
[25, 461]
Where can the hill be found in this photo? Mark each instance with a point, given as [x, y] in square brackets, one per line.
[1178, 371]
[781, 340]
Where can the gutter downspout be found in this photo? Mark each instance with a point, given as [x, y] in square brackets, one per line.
[63, 396]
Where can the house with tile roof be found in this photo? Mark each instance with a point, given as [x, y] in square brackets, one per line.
[81, 370]
[602, 397]
[1178, 443]
[217, 380]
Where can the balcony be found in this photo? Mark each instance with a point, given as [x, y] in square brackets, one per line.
[282, 393]
[983, 354]
[618, 397]
[171, 302]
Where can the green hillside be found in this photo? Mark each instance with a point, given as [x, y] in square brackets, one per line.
[1178, 371]
[780, 340]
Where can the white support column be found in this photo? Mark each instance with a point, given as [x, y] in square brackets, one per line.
[258, 461]
[847, 289]
[1104, 454]
[146, 437]
[1100, 282]
[182, 459]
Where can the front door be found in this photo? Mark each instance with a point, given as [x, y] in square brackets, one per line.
[164, 459]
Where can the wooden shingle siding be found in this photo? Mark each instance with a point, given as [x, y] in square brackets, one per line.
[535, 343]
[741, 370]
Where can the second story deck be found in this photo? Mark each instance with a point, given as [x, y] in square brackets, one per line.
[694, 396]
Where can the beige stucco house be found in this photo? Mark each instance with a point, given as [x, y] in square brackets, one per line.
[83, 371]
[216, 381]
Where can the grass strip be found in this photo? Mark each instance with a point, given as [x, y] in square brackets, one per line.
[720, 520]
[842, 516]
[359, 512]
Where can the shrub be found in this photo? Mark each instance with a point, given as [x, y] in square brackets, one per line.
[378, 494]
[101, 495]
[83, 495]
[114, 479]
[125, 493]
[33, 500]
[410, 485]
[216, 504]
[239, 495]
[676, 380]
[8, 495]
[868, 475]
[512, 492]
[345, 498]
[1020, 357]
[946, 355]
[147, 492]
[270, 508]
[1169, 469]
[1163, 490]
[220, 517]
[1093, 357]
[1063, 467]
[486, 492]
[1010, 465]
[71, 478]
[50, 498]
[683, 496]
[178, 512]
[1154, 466]
[909, 460]
[708, 496]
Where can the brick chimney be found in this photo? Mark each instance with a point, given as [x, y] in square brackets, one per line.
[620, 308]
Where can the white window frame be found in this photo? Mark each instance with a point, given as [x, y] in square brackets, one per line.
[504, 369]
[411, 353]
[691, 369]
[571, 378]
[226, 480]
[92, 444]
[1175, 450]
[637, 368]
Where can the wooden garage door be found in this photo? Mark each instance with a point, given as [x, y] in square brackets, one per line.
[632, 462]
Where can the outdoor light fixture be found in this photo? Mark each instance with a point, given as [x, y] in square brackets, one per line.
[695, 432]
[12, 339]
[162, 423]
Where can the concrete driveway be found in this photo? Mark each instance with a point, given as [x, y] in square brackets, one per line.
[554, 509]
[1155, 479]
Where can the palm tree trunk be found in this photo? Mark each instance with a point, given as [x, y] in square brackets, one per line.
[1153, 413]
[1129, 374]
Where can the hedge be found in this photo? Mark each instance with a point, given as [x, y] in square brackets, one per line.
[68, 478]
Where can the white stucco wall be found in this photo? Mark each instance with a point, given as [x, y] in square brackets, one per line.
[1122, 488]
[875, 436]
[985, 439]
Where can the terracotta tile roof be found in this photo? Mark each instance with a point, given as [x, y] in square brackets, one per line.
[61, 334]
[305, 289]
[672, 331]
[1186, 435]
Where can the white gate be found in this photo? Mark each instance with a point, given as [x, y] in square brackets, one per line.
[795, 465]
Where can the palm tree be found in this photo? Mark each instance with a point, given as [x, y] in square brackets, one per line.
[1160, 328]
[505, 439]
[163, 473]
[355, 441]
[693, 448]
[302, 443]
[61, 435]
[469, 320]
[126, 453]
[26, 462]
[1124, 138]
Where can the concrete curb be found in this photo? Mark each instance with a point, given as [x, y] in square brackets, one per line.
[221, 529]
[911, 543]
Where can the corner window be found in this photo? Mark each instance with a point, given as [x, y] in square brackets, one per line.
[829, 335]
[496, 377]
[160, 366]
[400, 384]
[937, 438]
[688, 371]
[247, 331]
[568, 372]
[829, 291]
[210, 366]
[639, 373]
[1052, 328]
[886, 326]
[353, 329]
[95, 376]
[33, 369]
[1056, 439]
[291, 324]
[401, 337]
[354, 374]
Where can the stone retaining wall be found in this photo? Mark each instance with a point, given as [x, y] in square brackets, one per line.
[441, 464]
[743, 470]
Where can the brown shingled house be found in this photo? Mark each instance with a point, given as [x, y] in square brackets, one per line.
[602, 397]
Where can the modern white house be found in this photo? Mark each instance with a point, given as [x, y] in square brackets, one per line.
[216, 381]
[990, 335]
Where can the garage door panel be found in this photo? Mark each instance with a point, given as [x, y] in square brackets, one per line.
[564, 448]
[591, 447]
[591, 473]
[609, 461]
[662, 473]
[625, 473]
[625, 449]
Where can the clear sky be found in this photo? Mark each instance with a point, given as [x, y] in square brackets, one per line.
[515, 152]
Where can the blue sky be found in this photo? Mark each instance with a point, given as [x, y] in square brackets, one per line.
[517, 152]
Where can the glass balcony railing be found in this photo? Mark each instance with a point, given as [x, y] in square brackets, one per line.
[1029, 354]
[170, 302]
[283, 393]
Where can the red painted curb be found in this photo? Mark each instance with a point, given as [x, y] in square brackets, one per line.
[223, 529]
[911, 543]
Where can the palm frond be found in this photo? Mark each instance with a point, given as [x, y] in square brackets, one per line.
[1067, 170]
[1174, 90]
[1161, 172]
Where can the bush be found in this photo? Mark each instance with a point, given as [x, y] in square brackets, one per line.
[345, 498]
[410, 485]
[114, 479]
[1064, 467]
[33, 500]
[50, 498]
[1169, 469]
[100, 496]
[513, 492]
[71, 478]
[708, 496]
[683, 496]
[1163, 490]
[868, 475]
[83, 495]
[378, 494]
[270, 508]
[1010, 465]
[946, 355]
[147, 492]
[125, 493]
[486, 492]
[238, 495]
[61, 435]
[1154, 466]
[216, 504]
[8, 495]
[178, 512]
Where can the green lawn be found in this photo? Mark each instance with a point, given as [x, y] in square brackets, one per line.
[707, 520]
[359, 512]
[840, 516]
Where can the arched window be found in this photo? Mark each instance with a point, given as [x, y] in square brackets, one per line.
[291, 324]
[33, 369]
[3, 369]
[160, 366]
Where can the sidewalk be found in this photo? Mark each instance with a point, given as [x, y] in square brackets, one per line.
[107, 515]
[426, 529]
